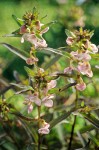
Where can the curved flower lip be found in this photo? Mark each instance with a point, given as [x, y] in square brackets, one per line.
[69, 40]
[51, 84]
[81, 86]
[43, 131]
[85, 68]
[33, 98]
[47, 101]
[93, 48]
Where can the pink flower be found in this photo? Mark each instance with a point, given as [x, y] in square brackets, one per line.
[44, 129]
[85, 68]
[23, 29]
[80, 85]
[32, 99]
[51, 84]
[93, 48]
[81, 56]
[47, 101]
[37, 42]
[68, 70]
[31, 61]
[30, 108]
[69, 40]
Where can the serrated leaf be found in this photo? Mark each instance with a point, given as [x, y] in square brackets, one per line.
[19, 21]
[69, 33]
[21, 54]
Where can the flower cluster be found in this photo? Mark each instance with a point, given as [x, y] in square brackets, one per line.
[40, 96]
[32, 30]
[80, 41]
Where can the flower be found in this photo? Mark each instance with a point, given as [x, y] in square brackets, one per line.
[80, 85]
[30, 108]
[93, 48]
[31, 61]
[37, 42]
[44, 128]
[51, 84]
[85, 68]
[68, 70]
[80, 56]
[33, 98]
[47, 101]
[69, 40]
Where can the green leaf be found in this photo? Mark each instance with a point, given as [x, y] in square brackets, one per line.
[21, 54]
[83, 141]
[53, 91]
[93, 138]
[86, 128]
[69, 33]
[19, 21]
[29, 71]
[61, 118]
[92, 120]
[52, 62]
[47, 25]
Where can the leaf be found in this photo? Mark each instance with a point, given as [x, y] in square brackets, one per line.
[52, 62]
[61, 118]
[29, 71]
[69, 33]
[47, 25]
[53, 91]
[67, 86]
[83, 141]
[92, 120]
[86, 128]
[18, 114]
[21, 54]
[19, 21]
[93, 138]
[13, 34]
[85, 147]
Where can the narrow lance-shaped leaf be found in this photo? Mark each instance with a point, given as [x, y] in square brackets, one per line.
[15, 33]
[61, 118]
[16, 51]
[19, 21]
[92, 120]
[52, 62]
[47, 25]
[93, 138]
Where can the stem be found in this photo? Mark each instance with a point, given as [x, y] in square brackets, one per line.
[73, 126]
[39, 137]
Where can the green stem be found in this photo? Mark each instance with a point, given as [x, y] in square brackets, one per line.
[39, 137]
[73, 126]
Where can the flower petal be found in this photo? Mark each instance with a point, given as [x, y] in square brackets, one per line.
[43, 131]
[48, 103]
[30, 108]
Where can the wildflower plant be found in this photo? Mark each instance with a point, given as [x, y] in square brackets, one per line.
[40, 91]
